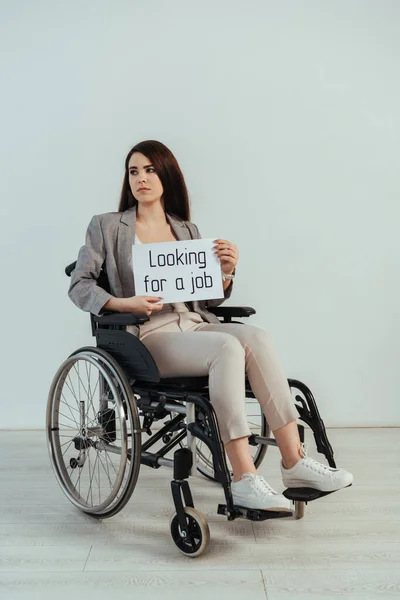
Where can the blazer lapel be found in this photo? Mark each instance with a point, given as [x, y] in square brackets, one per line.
[125, 240]
[178, 227]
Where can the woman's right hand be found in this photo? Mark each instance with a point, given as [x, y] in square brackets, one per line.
[142, 304]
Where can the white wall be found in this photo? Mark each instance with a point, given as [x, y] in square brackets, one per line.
[285, 119]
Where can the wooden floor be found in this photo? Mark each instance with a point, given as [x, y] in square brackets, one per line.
[347, 546]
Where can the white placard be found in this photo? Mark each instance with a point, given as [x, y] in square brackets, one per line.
[177, 271]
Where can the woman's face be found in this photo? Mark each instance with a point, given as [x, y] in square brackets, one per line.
[145, 184]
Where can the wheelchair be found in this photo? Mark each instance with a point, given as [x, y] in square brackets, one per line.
[105, 398]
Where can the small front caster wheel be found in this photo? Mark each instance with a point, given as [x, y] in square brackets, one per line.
[198, 530]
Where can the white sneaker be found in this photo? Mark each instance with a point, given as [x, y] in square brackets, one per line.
[252, 491]
[312, 474]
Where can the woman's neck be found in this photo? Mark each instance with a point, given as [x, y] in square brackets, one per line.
[151, 215]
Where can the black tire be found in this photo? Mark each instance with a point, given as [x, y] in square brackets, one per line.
[198, 529]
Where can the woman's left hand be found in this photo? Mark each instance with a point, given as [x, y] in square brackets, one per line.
[228, 255]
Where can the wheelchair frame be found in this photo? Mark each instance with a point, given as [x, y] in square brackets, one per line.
[195, 418]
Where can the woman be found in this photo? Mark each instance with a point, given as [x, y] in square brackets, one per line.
[185, 339]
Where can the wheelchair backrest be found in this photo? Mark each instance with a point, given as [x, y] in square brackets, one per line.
[128, 350]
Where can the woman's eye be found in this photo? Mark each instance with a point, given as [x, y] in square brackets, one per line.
[149, 170]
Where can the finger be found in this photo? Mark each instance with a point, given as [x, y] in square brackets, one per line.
[230, 261]
[154, 298]
[226, 247]
[152, 306]
[221, 250]
[221, 253]
[225, 244]
[156, 307]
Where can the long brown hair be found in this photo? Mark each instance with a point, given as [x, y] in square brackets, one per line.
[175, 196]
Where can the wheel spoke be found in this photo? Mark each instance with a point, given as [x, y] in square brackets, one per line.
[106, 471]
[91, 479]
[73, 420]
[69, 444]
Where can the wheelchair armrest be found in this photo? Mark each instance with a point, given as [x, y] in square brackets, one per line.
[70, 268]
[227, 312]
[114, 318]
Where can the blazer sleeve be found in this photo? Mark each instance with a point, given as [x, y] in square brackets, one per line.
[228, 290]
[83, 290]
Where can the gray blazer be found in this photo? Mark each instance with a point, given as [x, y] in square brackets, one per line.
[109, 240]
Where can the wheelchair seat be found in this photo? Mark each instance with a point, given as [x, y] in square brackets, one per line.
[180, 383]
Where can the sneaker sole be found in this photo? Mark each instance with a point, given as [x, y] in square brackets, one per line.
[274, 509]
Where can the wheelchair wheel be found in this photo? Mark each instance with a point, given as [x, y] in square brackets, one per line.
[258, 426]
[198, 530]
[92, 429]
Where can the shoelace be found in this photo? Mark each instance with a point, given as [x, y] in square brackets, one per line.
[315, 465]
[261, 485]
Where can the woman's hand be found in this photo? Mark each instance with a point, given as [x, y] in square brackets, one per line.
[141, 304]
[228, 255]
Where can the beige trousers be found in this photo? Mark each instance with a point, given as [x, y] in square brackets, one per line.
[225, 353]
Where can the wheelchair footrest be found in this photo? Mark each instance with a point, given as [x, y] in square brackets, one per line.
[253, 514]
[304, 494]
